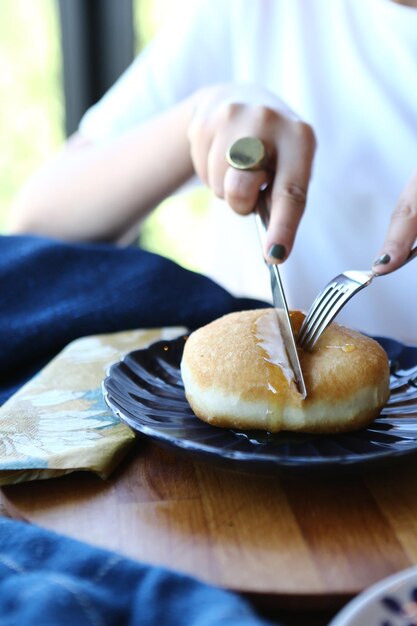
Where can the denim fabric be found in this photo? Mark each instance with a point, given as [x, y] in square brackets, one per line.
[50, 580]
[53, 292]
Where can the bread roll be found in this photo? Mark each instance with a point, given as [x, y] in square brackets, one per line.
[236, 374]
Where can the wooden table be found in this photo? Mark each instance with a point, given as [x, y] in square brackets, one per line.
[304, 544]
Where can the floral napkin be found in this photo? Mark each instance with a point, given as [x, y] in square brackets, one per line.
[59, 422]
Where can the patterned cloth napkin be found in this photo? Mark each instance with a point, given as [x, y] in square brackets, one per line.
[58, 422]
[66, 308]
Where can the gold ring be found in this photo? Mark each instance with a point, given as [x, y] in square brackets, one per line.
[247, 153]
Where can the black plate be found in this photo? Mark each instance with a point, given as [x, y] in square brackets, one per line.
[145, 390]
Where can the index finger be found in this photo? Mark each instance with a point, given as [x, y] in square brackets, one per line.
[401, 233]
[295, 154]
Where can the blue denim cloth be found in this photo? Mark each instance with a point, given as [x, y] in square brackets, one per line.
[53, 292]
[49, 580]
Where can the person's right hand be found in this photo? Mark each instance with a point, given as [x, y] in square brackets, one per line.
[226, 113]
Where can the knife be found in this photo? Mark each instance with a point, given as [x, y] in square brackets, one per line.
[248, 153]
[279, 299]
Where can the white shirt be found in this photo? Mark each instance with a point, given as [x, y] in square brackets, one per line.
[347, 67]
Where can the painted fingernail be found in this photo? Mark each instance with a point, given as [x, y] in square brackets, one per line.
[384, 259]
[277, 252]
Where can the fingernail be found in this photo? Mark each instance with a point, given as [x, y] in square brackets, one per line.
[277, 252]
[384, 259]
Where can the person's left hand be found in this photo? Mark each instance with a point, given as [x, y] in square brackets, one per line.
[401, 233]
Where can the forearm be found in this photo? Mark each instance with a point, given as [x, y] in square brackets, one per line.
[97, 192]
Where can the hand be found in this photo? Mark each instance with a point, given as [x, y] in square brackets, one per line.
[226, 113]
[402, 231]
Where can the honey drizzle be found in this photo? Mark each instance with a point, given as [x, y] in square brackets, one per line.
[269, 340]
[346, 347]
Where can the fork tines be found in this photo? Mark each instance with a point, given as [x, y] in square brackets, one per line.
[324, 309]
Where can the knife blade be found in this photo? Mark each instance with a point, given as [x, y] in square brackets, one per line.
[279, 300]
[249, 153]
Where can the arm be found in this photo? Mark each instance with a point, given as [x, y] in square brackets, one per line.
[98, 192]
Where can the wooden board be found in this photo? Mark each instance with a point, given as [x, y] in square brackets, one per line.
[305, 543]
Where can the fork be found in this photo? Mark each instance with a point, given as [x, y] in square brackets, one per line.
[331, 299]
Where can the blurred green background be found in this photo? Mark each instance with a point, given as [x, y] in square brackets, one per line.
[32, 113]
[31, 102]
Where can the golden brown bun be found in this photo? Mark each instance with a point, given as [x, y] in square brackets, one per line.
[236, 376]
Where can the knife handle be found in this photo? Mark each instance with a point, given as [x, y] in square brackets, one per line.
[262, 216]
